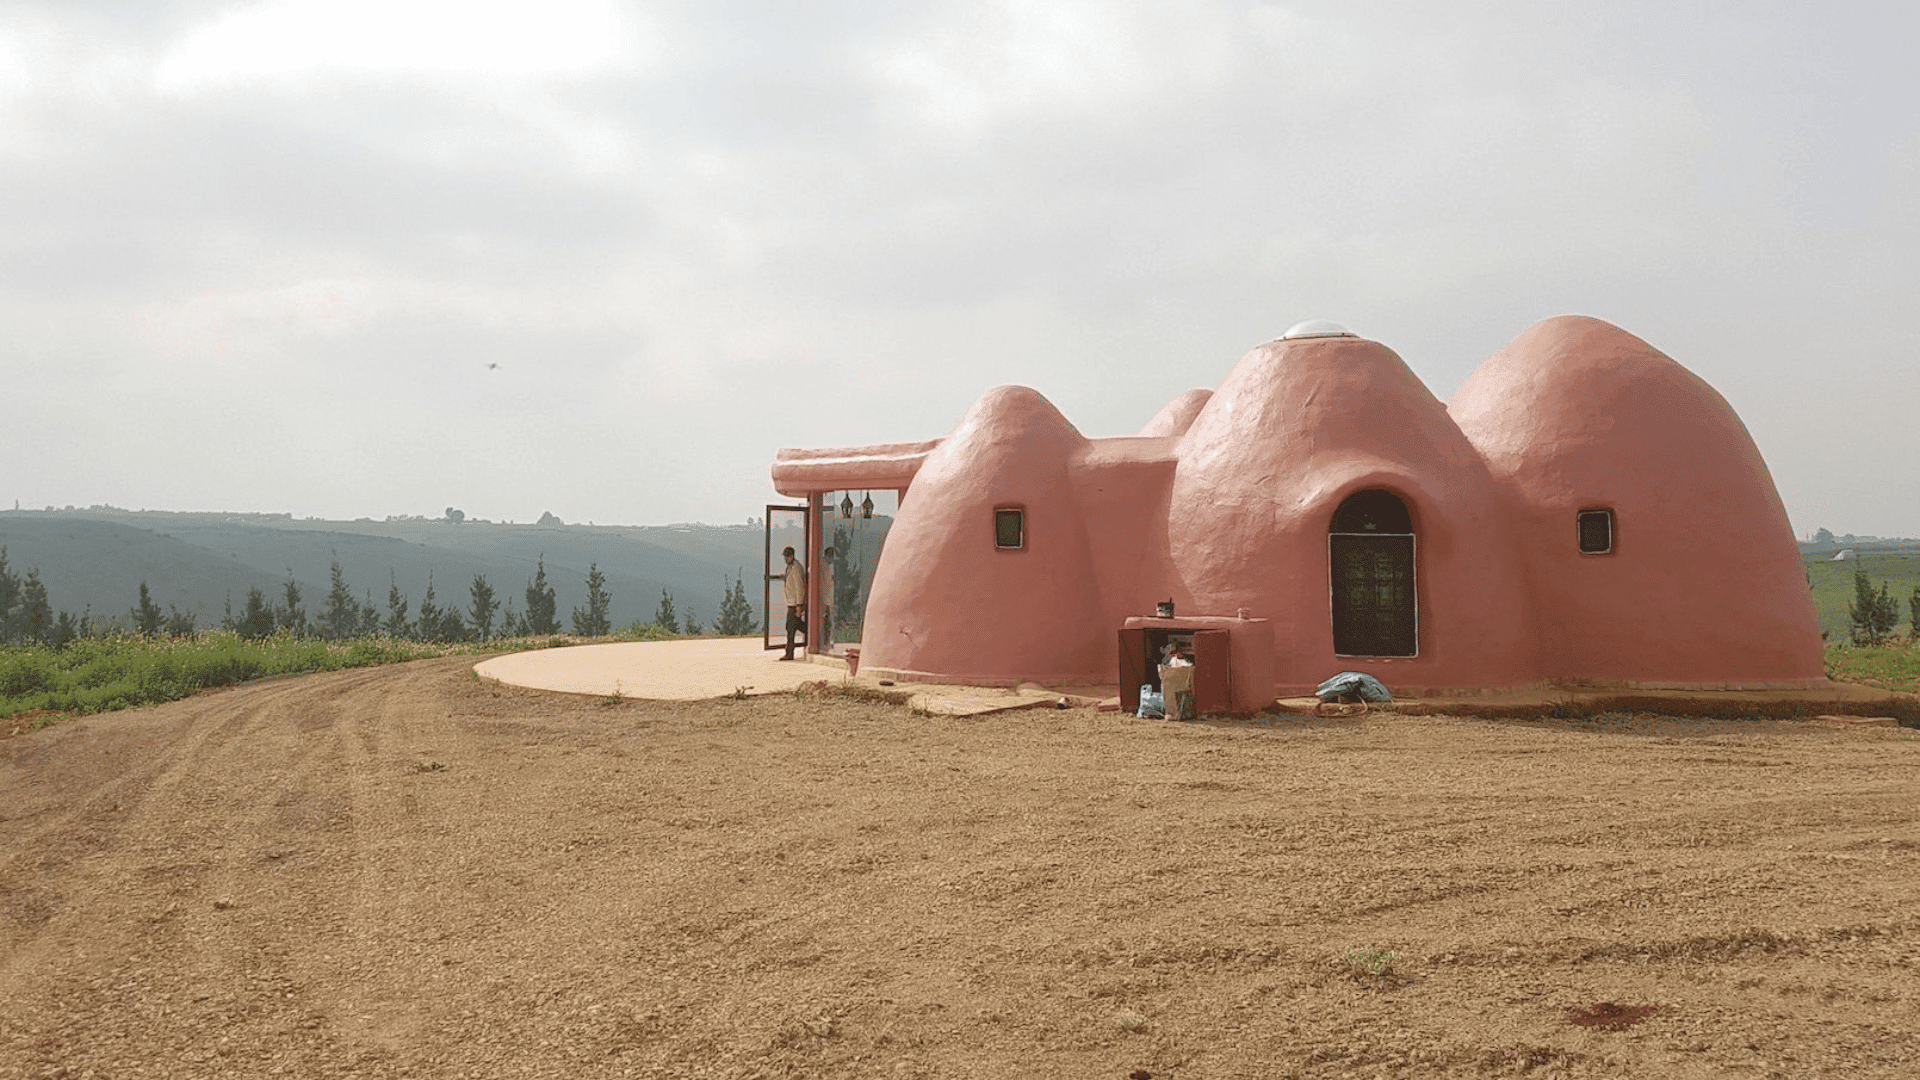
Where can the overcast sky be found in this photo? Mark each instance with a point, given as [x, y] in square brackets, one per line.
[264, 255]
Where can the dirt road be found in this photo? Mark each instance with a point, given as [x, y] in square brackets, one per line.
[404, 872]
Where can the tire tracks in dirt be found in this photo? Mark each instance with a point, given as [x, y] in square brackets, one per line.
[398, 871]
[233, 828]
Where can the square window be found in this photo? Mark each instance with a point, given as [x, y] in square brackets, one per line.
[1596, 532]
[1009, 528]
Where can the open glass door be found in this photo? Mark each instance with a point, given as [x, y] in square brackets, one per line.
[851, 538]
[786, 528]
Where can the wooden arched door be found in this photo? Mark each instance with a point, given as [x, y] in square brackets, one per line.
[1370, 567]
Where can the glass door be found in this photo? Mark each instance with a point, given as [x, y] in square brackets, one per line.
[786, 528]
[852, 536]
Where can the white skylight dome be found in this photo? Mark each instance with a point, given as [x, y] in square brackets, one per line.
[1317, 328]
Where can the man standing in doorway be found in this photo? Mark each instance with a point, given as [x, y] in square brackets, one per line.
[796, 591]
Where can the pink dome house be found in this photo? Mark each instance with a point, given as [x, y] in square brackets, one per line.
[1587, 511]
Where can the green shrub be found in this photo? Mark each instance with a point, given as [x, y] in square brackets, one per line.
[1373, 963]
[1893, 666]
[372, 652]
[645, 632]
[118, 672]
[223, 668]
[24, 672]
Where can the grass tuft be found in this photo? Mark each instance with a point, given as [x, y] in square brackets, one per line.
[848, 690]
[1373, 963]
[1894, 666]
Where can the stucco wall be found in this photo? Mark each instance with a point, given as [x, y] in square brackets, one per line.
[1705, 584]
[1224, 502]
[1296, 428]
[946, 602]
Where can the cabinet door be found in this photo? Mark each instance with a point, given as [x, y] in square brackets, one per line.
[1133, 668]
[1212, 684]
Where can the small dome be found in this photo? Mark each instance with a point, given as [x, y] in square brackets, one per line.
[1317, 328]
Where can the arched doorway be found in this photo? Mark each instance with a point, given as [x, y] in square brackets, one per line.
[1370, 568]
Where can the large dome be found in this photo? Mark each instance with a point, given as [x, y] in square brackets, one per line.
[1298, 426]
[1578, 415]
[932, 611]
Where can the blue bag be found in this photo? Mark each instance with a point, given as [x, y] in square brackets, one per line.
[1352, 682]
[1152, 705]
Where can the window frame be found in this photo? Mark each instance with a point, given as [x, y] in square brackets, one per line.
[1020, 513]
[1580, 530]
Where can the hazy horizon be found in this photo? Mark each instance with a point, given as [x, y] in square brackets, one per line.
[469, 519]
[754, 521]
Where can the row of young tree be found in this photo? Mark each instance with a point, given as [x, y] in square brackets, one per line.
[27, 614]
[1874, 613]
[481, 619]
[734, 619]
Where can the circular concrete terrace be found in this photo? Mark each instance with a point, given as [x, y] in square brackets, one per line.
[689, 670]
[701, 668]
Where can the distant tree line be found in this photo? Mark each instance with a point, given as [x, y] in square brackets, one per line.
[27, 616]
[480, 619]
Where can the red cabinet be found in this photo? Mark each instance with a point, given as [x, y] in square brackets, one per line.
[1140, 648]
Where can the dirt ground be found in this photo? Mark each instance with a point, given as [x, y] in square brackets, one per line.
[405, 872]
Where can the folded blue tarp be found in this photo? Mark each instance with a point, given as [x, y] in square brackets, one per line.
[1353, 682]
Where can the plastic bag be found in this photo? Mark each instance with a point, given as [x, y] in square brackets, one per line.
[1152, 705]
[1365, 686]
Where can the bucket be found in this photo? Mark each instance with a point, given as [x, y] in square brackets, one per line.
[1163, 609]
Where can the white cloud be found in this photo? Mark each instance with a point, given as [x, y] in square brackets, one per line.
[691, 231]
[490, 38]
[1090, 61]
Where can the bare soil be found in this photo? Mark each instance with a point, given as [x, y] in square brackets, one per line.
[405, 872]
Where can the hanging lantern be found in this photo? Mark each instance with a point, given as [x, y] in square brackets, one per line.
[846, 506]
[866, 505]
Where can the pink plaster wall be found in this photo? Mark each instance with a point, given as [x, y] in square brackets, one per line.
[1176, 416]
[1705, 584]
[1224, 501]
[1297, 427]
[946, 602]
[1120, 489]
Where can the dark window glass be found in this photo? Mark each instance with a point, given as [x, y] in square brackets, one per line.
[1009, 528]
[1596, 531]
[1373, 599]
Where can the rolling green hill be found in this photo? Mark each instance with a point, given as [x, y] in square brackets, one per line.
[98, 558]
[100, 564]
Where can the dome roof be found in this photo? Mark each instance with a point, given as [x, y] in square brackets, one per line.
[1010, 420]
[1177, 415]
[1702, 582]
[1576, 404]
